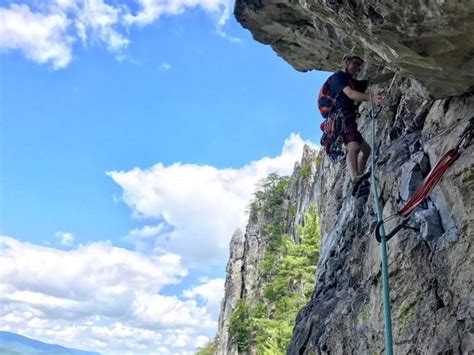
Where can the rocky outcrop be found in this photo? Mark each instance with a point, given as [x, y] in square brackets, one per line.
[243, 279]
[431, 265]
[431, 41]
[233, 292]
[431, 271]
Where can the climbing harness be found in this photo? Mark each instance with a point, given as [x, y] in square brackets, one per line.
[429, 182]
[334, 123]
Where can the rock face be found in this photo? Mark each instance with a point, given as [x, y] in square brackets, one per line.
[233, 291]
[243, 279]
[431, 271]
[431, 40]
[431, 266]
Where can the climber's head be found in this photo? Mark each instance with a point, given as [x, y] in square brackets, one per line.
[352, 63]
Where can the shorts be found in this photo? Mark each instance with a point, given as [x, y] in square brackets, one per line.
[352, 134]
[349, 127]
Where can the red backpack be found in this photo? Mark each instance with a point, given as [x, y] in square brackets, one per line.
[325, 101]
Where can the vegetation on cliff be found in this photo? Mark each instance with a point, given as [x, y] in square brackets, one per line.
[287, 273]
[208, 349]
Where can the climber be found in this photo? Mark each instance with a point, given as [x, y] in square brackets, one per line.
[346, 89]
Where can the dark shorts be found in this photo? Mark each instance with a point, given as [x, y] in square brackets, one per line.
[351, 133]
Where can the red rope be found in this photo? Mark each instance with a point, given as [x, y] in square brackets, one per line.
[430, 181]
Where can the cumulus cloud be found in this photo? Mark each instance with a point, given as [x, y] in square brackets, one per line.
[152, 10]
[46, 31]
[145, 232]
[66, 239]
[41, 37]
[100, 297]
[96, 19]
[203, 204]
[211, 292]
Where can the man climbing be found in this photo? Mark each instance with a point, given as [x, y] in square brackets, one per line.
[345, 90]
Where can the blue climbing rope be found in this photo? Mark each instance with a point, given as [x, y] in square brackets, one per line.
[383, 244]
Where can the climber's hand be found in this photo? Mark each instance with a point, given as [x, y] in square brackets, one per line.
[378, 99]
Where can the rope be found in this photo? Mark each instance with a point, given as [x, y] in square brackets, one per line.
[383, 245]
[418, 197]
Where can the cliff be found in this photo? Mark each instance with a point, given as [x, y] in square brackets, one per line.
[431, 267]
[430, 41]
[245, 279]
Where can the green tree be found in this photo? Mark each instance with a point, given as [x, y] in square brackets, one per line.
[287, 270]
[239, 327]
[289, 285]
[209, 349]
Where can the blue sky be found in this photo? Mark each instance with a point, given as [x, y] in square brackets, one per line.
[143, 136]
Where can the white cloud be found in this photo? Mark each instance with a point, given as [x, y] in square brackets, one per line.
[165, 66]
[212, 292]
[201, 341]
[145, 232]
[65, 238]
[144, 238]
[223, 18]
[109, 299]
[100, 297]
[204, 204]
[96, 18]
[41, 37]
[87, 276]
[151, 10]
[46, 31]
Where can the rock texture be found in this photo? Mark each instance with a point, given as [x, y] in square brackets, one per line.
[431, 271]
[431, 266]
[430, 40]
[243, 279]
[233, 291]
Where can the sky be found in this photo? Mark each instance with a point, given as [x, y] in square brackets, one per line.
[132, 137]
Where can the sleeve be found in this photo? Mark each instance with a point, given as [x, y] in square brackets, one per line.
[338, 82]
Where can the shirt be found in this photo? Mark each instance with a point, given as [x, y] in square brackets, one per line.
[337, 83]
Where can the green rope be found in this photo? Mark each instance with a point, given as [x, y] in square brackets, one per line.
[383, 244]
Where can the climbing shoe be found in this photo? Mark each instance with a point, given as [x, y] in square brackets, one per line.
[356, 184]
[363, 190]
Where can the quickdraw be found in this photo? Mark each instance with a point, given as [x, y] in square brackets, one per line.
[387, 96]
[429, 182]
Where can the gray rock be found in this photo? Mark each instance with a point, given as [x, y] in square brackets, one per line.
[431, 41]
[430, 224]
[432, 272]
[233, 292]
[429, 281]
[411, 179]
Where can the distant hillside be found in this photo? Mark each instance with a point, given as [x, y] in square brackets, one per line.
[14, 344]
